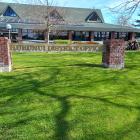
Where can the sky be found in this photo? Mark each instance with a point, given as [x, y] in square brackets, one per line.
[98, 4]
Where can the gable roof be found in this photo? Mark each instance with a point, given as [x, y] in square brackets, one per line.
[37, 12]
[12, 12]
[93, 17]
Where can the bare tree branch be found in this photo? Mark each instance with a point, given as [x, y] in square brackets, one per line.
[126, 8]
[49, 16]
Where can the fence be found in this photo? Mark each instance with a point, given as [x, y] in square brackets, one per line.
[55, 48]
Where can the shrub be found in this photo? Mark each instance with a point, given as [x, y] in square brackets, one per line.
[132, 45]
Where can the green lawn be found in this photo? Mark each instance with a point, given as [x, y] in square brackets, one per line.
[69, 96]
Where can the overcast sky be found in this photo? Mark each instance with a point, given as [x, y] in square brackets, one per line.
[98, 4]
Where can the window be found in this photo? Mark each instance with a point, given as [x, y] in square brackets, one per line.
[32, 34]
[9, 12]
[93, 17]
[15, 30]
[53, 15]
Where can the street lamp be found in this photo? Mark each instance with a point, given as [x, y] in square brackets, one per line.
[9, 27]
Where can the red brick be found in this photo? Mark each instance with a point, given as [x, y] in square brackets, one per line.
[113, 53]
[5, 55]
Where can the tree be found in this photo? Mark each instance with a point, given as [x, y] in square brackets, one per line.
[126, 8]
[51, 16]
[122, 20]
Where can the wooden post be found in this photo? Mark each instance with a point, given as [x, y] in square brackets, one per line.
[91, 36]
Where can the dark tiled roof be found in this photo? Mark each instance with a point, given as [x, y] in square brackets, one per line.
[37, 12]
[98, 27]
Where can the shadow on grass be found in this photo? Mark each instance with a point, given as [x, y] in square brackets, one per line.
[61, 125]
[89, 65]
[74, 65]
[132, 66]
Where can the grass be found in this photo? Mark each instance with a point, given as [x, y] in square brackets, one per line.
[69, 96]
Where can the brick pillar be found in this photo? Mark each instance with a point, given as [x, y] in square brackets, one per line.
[112, 36]
[5, 55]
[81, 35]
[113, 53]
[19, 35]
[91, 36]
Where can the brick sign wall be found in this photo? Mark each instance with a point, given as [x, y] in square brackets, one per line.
[113, 53]
[5, 55]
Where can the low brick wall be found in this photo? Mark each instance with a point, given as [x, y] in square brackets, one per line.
[55, 48]
[5, 55]
[113, 54]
